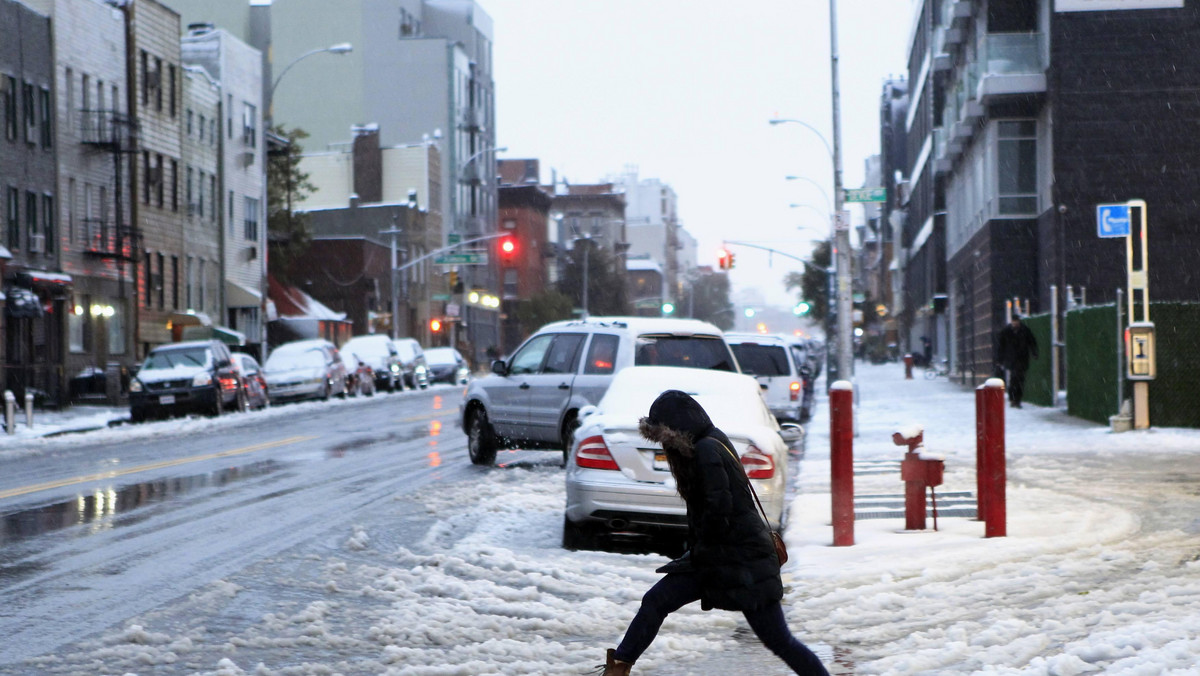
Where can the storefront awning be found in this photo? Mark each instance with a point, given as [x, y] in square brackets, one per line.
[44, 280]
[237, 295]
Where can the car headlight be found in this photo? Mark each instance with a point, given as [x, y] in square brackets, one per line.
[420, 369]
[202, 379]
[135, 385]
[395, 368]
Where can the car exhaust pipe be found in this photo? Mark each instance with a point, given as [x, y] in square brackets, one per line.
[617, 524]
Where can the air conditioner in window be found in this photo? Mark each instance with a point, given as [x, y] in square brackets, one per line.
[37, 243]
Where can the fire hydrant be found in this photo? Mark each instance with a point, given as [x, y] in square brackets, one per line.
[918, 472]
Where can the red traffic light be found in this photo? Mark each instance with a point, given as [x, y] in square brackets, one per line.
[435, 325]
[724, 259]
[508, 247]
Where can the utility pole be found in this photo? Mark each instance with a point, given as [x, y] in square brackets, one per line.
[841, 225]
[395, 270]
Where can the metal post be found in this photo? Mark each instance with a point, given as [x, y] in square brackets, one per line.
[394, 285]
[29, 410]
[1054, 346]
[586, 256]
[10, 412]
[841, 226]
[841, 461]
[981, 487]
[1120, 355]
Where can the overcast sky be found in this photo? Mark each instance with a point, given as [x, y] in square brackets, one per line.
[683, 89]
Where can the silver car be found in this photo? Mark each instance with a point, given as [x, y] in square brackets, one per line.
[619, 483]
[305, 369]
[780, 369]
[532, 399]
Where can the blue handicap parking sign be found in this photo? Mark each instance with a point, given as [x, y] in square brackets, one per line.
[1112, 220]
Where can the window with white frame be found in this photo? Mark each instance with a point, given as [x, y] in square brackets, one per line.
[251, 219]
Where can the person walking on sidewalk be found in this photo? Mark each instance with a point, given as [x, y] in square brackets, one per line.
[730, 562]
[1016, 345]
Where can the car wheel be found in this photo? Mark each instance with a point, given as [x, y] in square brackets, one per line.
[137, 415]
[243, 400]
[481, 441]
[568, 437]
[578, 536]
[327, 392]
[219, 407]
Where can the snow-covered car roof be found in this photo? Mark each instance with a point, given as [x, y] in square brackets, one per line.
[732, 400]
[760, 338]
[644, 325]
[442, 355]
[368, 345]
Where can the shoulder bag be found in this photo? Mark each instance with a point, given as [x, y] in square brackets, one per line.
[776, 538]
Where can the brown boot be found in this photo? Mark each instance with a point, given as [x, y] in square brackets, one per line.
[614, 666]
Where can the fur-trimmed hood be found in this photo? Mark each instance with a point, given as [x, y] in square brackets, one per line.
[676, 421]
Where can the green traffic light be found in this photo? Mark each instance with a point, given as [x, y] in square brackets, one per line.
[801, 308]
[668, 308]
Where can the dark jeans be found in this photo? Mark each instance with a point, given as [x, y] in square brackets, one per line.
[676, 590]
[1016, 385]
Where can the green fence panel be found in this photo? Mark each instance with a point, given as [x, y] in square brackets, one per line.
[1173, 393]
[1039, 387]
[1091, 354]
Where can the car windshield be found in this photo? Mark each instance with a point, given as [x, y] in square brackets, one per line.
[406, 350]
[440, 355]
[371, 347]
[169, 359]
[702, 352]
[761, 360]
[290, 359]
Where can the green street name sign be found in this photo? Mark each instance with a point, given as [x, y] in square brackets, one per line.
[866, 194]
[461, 259]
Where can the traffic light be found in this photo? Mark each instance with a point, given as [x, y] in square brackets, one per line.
[455, 283]
[730, 260]
[724, 259]
[508, 248]
[801, 308]
[435, 325]
[668, 308]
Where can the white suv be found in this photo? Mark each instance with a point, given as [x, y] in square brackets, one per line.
[532, 399]
[779, 368]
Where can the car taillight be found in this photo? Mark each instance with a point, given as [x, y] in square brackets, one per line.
[593, 453]
[757, 464]
[794, 389]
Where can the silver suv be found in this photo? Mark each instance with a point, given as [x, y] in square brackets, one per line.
[531, 400]
[780, 369]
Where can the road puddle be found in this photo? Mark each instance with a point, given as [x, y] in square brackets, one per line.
[102, 504]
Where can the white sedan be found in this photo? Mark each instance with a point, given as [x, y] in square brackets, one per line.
[618, 482]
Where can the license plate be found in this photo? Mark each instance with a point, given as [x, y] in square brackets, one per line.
[166, 399]
[660, 461]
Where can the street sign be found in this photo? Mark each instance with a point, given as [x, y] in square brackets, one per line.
[866, 194]
[440, 297]
[479, 258]
[1112, 220]
[453, 238]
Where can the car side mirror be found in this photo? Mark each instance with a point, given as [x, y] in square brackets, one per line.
[499, 367]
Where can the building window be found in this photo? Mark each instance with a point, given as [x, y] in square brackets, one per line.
[46, 111]
[30, 217]
[171, 84]
[174, 185]
[48, 223]
[116, 327]
[250, 125]
[251, 219]
[146, 179]
[160, 281]
[9, 84]
[147, 277]
[203, 284]
[231, 218]
[29, 104]
[191, 205]
[200, 195]
[212, 195]
[13, 212]
[158, 84]
[69, 87]
[144, 58]
[190, 272]
[158, 179]
[1017, 167]
[229, 114]
[175, 282]
[201, 129]
[190, 120]
[77, 324]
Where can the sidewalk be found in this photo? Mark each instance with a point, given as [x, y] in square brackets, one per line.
[49, 423]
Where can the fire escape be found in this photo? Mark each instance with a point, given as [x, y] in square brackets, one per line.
[116, 133]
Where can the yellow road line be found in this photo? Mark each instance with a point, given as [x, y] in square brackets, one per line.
[24, 490]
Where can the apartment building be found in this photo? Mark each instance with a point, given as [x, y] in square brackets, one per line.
[201, 185]
[236, 68]
[36, 297]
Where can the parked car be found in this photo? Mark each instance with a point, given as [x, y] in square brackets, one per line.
[192, 376]
[360, 377]
[305, 369]
[254, 382]
[380, 353]
[779, 368]
[412, 363]
[447, 365]
[619, 482]
[532, 399]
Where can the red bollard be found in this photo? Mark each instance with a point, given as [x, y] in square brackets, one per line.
[908, 366]
[841, 461]
[994, 470]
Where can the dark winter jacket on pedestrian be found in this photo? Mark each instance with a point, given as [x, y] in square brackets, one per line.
[729, 545]
[1016, 345]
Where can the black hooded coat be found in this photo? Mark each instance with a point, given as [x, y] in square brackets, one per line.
[730, 546]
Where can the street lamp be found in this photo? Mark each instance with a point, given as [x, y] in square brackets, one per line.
[828, 202]
[781, 120]
[340, 48]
